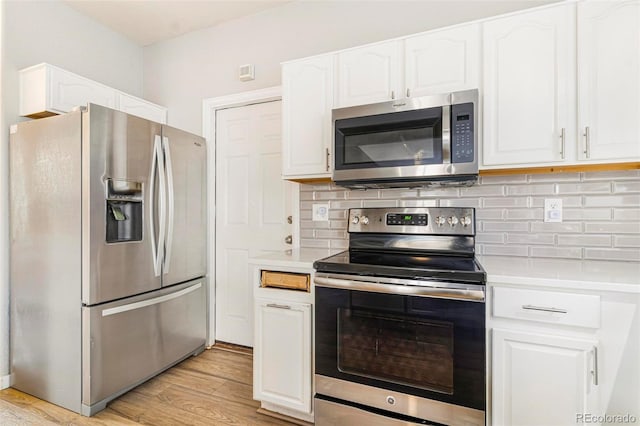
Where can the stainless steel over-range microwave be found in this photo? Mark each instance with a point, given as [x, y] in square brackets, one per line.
[410, 142]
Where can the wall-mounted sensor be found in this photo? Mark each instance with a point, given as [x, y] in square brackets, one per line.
[553, 210]
[320, 212]
[247, 72]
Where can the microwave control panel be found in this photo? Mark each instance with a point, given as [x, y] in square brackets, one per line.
[462, 130]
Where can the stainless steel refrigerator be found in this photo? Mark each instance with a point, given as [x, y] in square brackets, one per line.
[108, 254]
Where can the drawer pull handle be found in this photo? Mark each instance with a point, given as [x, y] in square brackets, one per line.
[544, 309]
[275, 305]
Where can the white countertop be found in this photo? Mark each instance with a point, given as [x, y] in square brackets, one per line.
[294, 258]
[594, 275]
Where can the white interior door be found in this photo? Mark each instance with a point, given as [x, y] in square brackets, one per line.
[252, 205]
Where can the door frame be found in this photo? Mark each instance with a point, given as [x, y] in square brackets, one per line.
[209, 108]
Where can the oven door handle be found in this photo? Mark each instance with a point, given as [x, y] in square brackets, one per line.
[435, 290]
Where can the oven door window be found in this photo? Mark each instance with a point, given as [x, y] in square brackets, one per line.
[428, 347]
[410, 138]
[395, 348]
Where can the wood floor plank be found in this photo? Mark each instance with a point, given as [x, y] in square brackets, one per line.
[191, 379]
[222, 364]
[153, 411]
[214, 388]
[218, 410]
[238, 392]
[13, 415]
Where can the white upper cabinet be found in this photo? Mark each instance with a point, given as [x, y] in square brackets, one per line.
[369, 74]
[528, 99]
[442, 61]
[141, 108]
[307, 99]
[47, 90]
[609, 80]
[431, 63]
[559, 85]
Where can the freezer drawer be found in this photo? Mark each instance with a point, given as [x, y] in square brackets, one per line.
[131, 340]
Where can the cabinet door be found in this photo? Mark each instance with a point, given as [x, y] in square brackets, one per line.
[142, 108]
[609, 80]
[443, 61]
[528, 75]
[369, 74]
[69, 91]
[282, 354]
[542, 379]
[307, 99]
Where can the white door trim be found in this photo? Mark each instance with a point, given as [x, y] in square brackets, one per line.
[209, 108]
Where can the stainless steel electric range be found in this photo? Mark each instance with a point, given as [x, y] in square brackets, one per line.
[400, 321]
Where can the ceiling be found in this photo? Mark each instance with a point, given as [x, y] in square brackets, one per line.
[150, 21]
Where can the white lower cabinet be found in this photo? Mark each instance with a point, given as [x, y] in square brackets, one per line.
[542, 379]
[563, 356]
[282, 354]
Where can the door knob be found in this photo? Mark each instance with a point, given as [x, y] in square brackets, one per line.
[288, 239]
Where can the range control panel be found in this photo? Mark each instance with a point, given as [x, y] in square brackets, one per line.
[418, 220]
[406, 219]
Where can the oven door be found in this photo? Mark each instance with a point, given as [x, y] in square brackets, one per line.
[425, 348]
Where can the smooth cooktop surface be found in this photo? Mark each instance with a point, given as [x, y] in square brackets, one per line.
[403, 265]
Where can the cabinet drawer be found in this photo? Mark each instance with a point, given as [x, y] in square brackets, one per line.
[286, 280]
[547, 306]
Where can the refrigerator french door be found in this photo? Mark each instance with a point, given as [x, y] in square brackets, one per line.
[108, 254]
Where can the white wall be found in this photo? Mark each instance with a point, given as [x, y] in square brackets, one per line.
[50, 31]
[179, 73]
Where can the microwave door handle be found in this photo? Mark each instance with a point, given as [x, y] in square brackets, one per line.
[446, 134]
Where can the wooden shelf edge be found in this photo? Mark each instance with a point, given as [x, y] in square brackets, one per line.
[310, 180]
[608, 167]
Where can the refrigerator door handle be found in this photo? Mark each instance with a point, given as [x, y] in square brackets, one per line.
[149, 302]
[170, 199]
[157, 205]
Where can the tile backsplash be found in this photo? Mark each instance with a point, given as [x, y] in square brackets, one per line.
[601, 213]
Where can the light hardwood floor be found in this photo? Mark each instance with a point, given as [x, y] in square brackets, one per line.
[213, 388]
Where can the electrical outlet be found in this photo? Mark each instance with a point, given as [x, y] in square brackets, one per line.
[320, 212]
[552, 210]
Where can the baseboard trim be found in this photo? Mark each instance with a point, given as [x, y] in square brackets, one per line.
[6, 381]
[283, 417]
[284, 413]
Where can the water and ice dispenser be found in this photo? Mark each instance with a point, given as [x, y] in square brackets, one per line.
[124, 211]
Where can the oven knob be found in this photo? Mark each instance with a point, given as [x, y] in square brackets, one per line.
[465, 221]
[391, 400]
[440, 220]
[355, 220]
[364, 220]
[453, 221]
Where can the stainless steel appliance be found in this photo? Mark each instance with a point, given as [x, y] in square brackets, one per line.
[108, 254]
[410, 142]
[400, 321]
